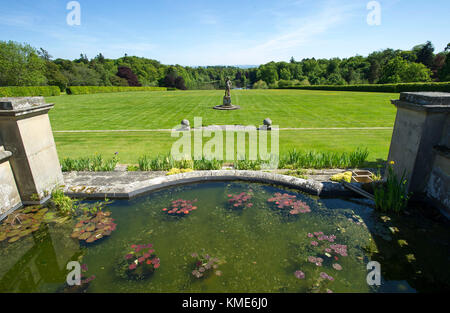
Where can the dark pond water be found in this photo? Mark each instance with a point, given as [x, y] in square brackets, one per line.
[274, 240]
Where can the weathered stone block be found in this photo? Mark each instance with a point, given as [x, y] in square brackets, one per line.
[26, 132]
[418, 128]
[9, 195]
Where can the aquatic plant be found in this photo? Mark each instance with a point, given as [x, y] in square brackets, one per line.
[94, 227]
[299, 274]
[205, 265]
[289, 202]
[23, 222]
[139, 263]
[181, 207]
[64, 204]
[241, 200]
[391, 195]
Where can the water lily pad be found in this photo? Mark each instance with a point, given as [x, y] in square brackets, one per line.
[91, 239]
[14, 239]
[90, 228]
[410, 258]
[394, 230]
[75, 234]
[61, 220]
[13, 233]
[85, 235]
[49, 216]
[25, 233]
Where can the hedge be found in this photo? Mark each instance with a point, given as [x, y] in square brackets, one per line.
[394, 88]
[85, 90]
[45, 91]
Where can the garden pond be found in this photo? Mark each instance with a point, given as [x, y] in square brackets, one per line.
[224, 237]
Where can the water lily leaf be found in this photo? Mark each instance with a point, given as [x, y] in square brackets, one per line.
[75, 234]
[14, 239]
[13, 233]
[61, 220]
[410, 258]
[90, 227]
[91, 239]
[85, 235]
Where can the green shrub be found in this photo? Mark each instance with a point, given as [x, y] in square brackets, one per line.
[45, 91]
[393, 88]
[392, 195]
[260, 85]
[86, 90]
[89, 164]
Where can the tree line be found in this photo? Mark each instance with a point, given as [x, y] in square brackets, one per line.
[24, 65]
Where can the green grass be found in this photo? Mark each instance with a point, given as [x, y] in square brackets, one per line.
[164, 110]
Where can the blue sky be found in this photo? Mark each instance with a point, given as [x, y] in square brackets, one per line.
[211, 32]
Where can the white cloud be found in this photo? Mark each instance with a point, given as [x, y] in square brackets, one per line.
[287, 38]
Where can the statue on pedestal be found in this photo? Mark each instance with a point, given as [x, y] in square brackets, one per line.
[227, 98]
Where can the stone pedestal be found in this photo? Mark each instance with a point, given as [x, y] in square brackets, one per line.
[227, 101]
[420, 143]
[9, 195]
[227, 106]
[26, 132]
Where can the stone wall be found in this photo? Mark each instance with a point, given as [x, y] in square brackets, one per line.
[421, 143]
[30, 162]
[9, 195]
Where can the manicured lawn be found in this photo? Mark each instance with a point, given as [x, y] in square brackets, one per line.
[164, 110]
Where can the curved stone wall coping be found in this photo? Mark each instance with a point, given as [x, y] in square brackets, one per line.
[135, 189]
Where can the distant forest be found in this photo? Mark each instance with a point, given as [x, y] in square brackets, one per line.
[24, 65]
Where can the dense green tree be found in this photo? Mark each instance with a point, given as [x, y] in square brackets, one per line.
[399, 70]
[20, 65]
[260, 85]
[54, 76]
[23, 65]
[425, 54]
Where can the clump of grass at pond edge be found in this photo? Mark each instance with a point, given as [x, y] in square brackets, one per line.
[166, 163]
[95, 163]
[64, 204]
[391, 195]
[320, 160]
[68, 206]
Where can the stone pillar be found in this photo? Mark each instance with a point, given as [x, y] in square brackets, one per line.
[422, 118]
[26, 132]
[9, 195]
